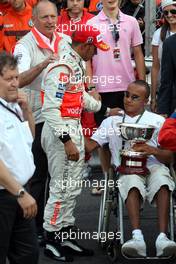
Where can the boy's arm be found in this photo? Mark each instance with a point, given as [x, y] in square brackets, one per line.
[90, 144]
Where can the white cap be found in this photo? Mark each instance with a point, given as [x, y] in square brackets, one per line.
[165, 3]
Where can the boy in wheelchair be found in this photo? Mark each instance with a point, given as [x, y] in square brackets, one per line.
[134, 189]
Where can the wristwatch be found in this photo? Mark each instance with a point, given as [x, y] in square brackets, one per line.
[20, 193]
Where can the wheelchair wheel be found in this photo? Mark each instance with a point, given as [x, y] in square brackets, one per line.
[105, 210]
[113, 251]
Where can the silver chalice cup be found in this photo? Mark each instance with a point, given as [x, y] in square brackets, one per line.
[133, 162]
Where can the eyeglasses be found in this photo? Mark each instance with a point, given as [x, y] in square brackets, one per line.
[172, 12]
[133, 97]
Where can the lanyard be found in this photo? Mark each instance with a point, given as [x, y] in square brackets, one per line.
[10, 110]
[115, 29]
[123, 121]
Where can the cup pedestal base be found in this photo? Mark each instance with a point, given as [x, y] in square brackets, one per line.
[133, 165]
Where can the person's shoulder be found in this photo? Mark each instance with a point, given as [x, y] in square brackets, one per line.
[170, 40]
[95, 19]
[68, 57]
[65, 63]
[57, 66]
[156, 39]
[154, 118]
[88, 15]
[55, 73]
[65, 39]
[155, 115]
[111, 121]
[26, 37]
[22, 46]
[128, 18]
[157, 32]
[173, 37]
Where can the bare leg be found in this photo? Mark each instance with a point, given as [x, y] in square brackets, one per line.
[162, 201]
[133, 202]
[136, 246]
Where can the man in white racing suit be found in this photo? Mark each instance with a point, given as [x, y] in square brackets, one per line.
[63, 142]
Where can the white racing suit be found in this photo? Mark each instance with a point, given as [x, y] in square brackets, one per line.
[64, 99]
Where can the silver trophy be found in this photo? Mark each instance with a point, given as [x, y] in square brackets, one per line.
[133, 162]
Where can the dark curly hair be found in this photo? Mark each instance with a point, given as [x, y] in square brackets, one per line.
[7, 60]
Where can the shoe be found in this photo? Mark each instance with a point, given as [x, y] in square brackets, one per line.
[70, 245]
[164, 246]
[53, 248]
[56, 252]
[73, 248]
[135, 247]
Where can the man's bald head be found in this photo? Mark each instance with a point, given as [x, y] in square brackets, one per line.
[43, 3]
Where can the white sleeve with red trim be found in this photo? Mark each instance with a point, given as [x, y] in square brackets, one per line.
[54, 89]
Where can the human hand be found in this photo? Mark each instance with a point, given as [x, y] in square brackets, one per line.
[52, 58]
[144, 148]
[141, 22]
[22, 100]
[28, 205]
[95, 95]
[71, 151]
[164, 115]
[116, 111]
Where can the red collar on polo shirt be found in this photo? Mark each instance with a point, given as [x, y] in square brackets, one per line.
[41, 41]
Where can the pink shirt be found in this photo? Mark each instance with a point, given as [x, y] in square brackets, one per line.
[110, 75]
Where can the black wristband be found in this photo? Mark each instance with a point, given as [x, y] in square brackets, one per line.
[65, 137]
[90, 88]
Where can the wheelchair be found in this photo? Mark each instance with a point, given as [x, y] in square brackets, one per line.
[111, 203]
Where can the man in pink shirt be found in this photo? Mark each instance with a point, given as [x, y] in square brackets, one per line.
[112, 72]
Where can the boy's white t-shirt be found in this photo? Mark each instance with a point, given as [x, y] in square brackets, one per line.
[109, 132]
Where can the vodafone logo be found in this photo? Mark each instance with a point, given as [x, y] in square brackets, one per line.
[74, 111]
